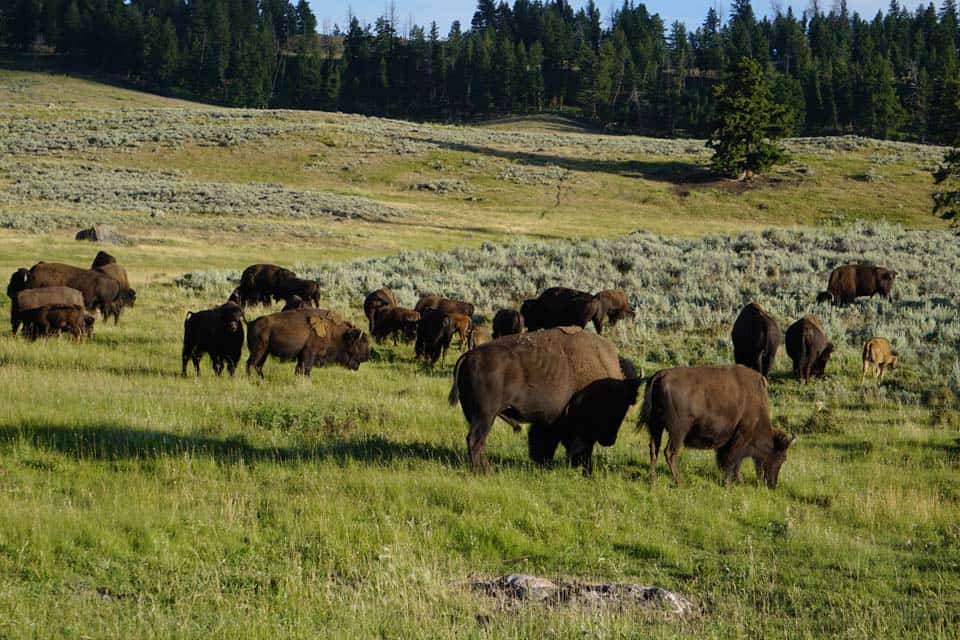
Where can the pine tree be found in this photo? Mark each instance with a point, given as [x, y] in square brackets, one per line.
[747, 123]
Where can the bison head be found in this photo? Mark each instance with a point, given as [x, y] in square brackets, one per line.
[293, 303]
[356, 349]
[232, 317]
[236, 297]
[88, 321]
[820, 366]
[530, 313]
[824, 296]
[885, 279]
[410, 323]
[770, 463]
[19, 280]
[128, 297]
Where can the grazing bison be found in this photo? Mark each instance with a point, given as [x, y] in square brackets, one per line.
[756, 338]
[877, 358]
[445, 305]
[462, 326]
[507, 322]
[52, 320]
[378, 299]
[99, 292]
[45, 297]
[561, 307]
[857, 280]
[107, 265]
[218, 332]
[309, 336]
[258, 284]
[434, 333]
[396, 322]
[479, 336]
[306, 290]
[808, 347]
[612, 305]
[531, 377]
[723, 408]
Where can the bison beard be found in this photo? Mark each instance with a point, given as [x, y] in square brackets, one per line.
[722, 408]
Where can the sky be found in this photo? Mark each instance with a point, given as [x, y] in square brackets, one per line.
[690, 12]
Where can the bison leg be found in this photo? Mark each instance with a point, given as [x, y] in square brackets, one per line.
[866, 367]
[542, 442]
[656, 433]
[217, 362]
[580, 454]
[882, 369]
[671, 453]
[255, 361]
[729, 457]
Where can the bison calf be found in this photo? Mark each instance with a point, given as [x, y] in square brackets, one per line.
[218, 332]
[723, 408]
[52, 320]
[396, 322]
[507, 322]
[878, 357]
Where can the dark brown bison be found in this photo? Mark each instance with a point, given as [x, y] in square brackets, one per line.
[857, 280]
[376, 300]
[808, 347]
[434, 333]
[258, 283]
[45, 297]
[102, 258]
[561, 307]
[294, 302]
[612, 305]
[531, 377]
[217, 332]
[306, 290]
[756, 338]
[312, 337]
[41, 322]
[445, 305]
[723, 408]
[507, 322]
[127, 296]
[99, 292]
[397, 322]
[878, 356]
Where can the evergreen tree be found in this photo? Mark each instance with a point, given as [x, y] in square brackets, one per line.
[747, 123]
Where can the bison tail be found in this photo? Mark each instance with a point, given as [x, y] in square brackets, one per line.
[646, 410]
[454, 396]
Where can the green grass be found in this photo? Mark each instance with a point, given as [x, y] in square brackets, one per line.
[139, 504]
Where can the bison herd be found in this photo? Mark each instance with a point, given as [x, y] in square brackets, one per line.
[538, 365]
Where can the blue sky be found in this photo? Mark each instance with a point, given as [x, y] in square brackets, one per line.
[691, 12]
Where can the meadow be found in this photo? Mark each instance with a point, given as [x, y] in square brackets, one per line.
[140, 504]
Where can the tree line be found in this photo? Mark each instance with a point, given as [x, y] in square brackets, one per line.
[894, 75]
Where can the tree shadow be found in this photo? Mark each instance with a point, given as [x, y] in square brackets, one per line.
[671, 171]
[112, 442]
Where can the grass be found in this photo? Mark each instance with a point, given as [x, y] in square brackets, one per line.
[140, 504]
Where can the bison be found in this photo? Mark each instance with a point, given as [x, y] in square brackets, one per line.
[218, 332]
[99, 291]
[446, 305]
[52, 320]
[479, 336]
[560, 307]
[434, 333]
[294, 302]
[612, 305]
[306, 290]
[756, 338]
[378, 299]
[396, 322]
[127, 296]
[507, 322]
[309, 336]
[532, 377]
[713, 407]
[462, 326]
[44, 297]
[258, 284]
[877, 358]
[857, 280]
[808, 347]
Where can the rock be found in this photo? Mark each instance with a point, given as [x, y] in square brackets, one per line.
[529, 588]
[101, 233]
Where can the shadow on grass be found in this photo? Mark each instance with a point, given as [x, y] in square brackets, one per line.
[671, 171]
[116, 442]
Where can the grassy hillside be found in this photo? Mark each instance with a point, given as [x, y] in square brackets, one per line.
[140, 504]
